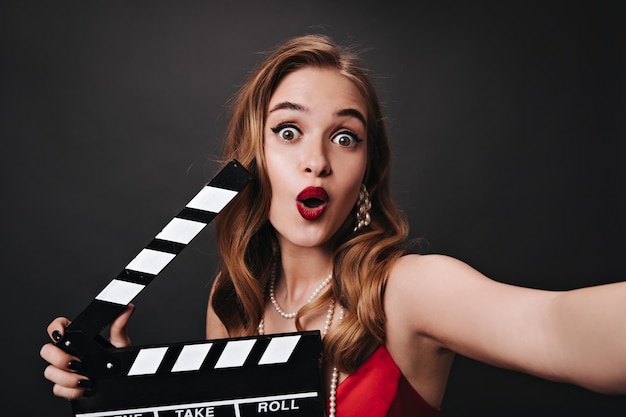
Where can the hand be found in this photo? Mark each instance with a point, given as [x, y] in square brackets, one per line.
[64, 369]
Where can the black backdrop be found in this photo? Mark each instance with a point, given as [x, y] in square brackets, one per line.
[507, 125]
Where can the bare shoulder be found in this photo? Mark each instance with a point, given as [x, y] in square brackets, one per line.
[422, 269]
[431, 260]
[417, 287]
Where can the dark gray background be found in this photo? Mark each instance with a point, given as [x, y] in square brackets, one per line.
[507, 125]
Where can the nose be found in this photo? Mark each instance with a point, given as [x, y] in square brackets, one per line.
[315, 159]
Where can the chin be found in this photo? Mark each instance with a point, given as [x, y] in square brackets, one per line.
[304, 236]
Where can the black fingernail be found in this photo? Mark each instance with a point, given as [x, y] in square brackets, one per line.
[57, 336]
[84, 383]
[75, 365]
[87, 393]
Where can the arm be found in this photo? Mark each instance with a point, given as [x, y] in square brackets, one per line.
[574, 336]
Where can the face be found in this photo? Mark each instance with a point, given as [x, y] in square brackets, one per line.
[316, 154]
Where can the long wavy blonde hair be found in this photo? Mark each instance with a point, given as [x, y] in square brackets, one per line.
[247, 242]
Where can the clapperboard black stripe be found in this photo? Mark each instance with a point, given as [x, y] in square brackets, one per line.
[196, 215]
[166, 246]
[153, 258]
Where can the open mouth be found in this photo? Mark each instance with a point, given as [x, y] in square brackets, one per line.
[312, 202]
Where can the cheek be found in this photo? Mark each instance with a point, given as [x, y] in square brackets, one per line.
[353, 170]
[275, 169]
[278, 174]
[272, 165]
[353, 178]
[276, 161]
[353, 194]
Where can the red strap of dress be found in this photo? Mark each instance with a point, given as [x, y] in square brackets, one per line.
[378, 389]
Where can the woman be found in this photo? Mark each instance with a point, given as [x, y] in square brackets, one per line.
[316, 243]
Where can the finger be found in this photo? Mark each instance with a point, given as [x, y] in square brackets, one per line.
[56, 328]
[118, 332]
[68, 393]
[59, 358]
[67, 384]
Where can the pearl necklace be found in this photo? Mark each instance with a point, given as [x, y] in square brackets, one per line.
[334, 379]
[315, 293]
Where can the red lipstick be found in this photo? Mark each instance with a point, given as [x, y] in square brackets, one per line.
[312, 202]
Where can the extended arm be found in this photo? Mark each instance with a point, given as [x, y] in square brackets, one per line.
[576, 336]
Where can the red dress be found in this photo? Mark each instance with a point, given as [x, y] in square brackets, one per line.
[378, 389]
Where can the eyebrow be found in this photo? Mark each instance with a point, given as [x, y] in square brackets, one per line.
[352, 113]
[288, 105]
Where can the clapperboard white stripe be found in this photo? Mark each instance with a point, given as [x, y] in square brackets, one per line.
[211, 199]
[147, 361]
[235, 354]
[120, 292]
[191, 357]
[150, 261]
[279, 350]
[180, 230]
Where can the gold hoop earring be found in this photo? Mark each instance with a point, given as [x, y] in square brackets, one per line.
[363, 209]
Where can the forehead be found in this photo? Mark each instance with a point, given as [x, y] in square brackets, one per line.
[319, 88]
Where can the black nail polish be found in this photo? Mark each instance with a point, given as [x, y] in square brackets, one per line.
[75, 365]
[84, 383]
[57, 336]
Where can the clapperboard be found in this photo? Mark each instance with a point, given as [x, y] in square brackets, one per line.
[266, 375]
